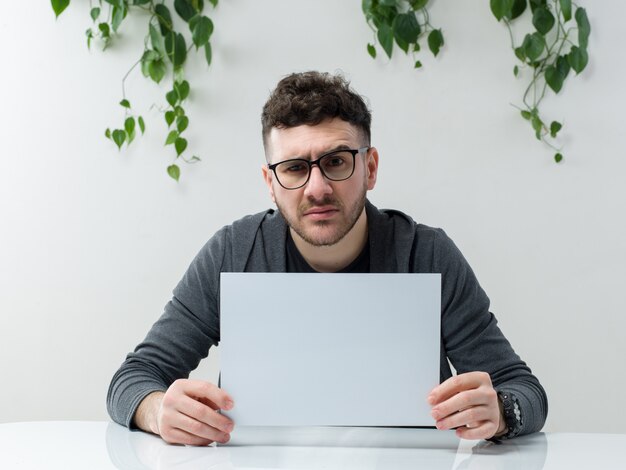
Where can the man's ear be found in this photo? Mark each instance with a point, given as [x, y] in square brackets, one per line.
[267, 176]
[371, 165]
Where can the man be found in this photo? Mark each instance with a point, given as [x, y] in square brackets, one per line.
[320, 165]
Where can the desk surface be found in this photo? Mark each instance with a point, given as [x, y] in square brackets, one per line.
[102, 445]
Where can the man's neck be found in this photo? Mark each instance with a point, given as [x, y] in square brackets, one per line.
[328, 259]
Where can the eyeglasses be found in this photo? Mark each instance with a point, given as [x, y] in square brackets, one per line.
[337, 165]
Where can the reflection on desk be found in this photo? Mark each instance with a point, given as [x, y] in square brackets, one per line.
[100, 445]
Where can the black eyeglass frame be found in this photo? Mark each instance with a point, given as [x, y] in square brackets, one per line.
[310, 164]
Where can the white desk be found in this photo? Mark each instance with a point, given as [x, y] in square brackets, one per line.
[101, 445]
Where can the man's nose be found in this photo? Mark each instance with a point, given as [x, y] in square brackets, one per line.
[317, 186]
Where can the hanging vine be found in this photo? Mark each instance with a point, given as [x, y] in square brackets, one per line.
[165, 52]
[556, 46]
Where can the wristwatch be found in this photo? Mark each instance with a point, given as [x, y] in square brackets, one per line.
[512, 414]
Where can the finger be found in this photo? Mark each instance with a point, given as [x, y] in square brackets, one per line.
[210, 393]
[485, 430]
[470, 416]
[197, 428]
[178, 436]
[456, 384]
[461, 401]
[204, 414]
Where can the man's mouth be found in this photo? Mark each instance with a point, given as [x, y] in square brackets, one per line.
[320, 212]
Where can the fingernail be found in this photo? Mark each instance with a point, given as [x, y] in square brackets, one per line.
[435, 414]
[228, 404]
[228, 428]
[431, 399]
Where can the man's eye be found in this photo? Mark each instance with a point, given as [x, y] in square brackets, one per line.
[293, 168]
[334, 161]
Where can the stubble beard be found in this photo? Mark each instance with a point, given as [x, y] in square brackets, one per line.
[315, 235]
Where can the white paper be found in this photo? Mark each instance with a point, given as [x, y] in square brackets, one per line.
[301, 349]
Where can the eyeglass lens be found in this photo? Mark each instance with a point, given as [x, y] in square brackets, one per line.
[336, 166]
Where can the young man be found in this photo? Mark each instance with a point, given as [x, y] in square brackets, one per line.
[320, 165]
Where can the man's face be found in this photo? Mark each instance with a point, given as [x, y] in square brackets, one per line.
[321, 212]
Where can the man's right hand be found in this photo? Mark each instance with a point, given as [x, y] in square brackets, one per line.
[187, 413]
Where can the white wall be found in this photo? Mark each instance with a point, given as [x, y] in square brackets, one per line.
[92, 241]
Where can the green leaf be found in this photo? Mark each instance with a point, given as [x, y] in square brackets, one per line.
[562, 66]
[201, 30]
[566, 9]
[371, 50]
[584, 28]
[553, 78]
[501, 8]
[417, 65]
[537, 125]
[185, 9]
[174, 172]
[418, 4]
[129, 125]
[556, 74]
[107, 133]
[543, 20]
[171, 137]
[164, 18]
[558, 157]
[520, 54]
[526, 114]
[180, 51]
[435, 41]
[182, 89]
[125, 103]
[385, 38]
[403, 45]
[181, 123]
[172, 97]
[142, 124]
[105, 30]
[406, 28]
[555, 127]
[534, 4]
[578, 59]
[147, 58]
[207, 53]
[169, 117]
[516, 70]
[179, 110]
[156, 39]
[119, 136]
[95, 13]
[193, 159]
[213, 2]
[59, 5]
[533, 46]
[156, 70]
[180, 145]
[89, 34]
[119, 13]
[519, 7]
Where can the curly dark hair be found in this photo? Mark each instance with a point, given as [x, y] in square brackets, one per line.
[312, 97]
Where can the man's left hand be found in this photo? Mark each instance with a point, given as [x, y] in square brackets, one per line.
[469, 403]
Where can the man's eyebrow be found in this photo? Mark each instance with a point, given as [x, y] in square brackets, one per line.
[325, 152]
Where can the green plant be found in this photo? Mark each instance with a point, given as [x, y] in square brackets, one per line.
[404, 22]
[165, 51]
[549, 52]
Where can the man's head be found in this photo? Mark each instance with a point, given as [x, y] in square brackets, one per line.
[309, 116]
[312, 97]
